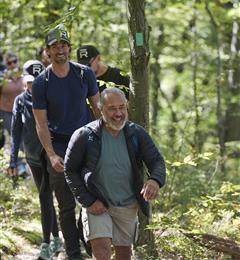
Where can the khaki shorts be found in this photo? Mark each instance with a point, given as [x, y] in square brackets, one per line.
[118, 223]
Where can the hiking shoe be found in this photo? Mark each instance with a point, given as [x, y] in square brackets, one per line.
[56, 245]
[44, 252]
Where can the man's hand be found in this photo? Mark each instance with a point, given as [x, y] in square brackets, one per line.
[57, 163]
[150, 190]
[97, 208]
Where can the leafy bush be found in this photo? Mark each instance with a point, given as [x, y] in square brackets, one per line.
[19, 205]
[216, 215]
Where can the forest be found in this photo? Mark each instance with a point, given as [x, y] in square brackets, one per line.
[188, 98]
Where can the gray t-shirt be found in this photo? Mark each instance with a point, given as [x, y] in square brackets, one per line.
[114, 172]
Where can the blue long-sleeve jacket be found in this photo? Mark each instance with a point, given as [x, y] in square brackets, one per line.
[83, 154]
[23, 127]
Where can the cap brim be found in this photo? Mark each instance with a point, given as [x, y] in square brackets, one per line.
[28, 78]
[55, 40]
[84, 61]
[52, 42]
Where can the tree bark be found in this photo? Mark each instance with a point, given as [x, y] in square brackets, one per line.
[156, 82]
[139, 54]
[197, 146]
[232, 127]
[220, 114]
[139, 105]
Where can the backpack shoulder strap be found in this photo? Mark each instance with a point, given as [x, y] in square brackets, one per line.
[46, 75]
[79, 70]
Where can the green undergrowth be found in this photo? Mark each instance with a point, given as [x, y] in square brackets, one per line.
[217, 215]
[194, 209]
[7, 244]
[19, 213]
[30, 235]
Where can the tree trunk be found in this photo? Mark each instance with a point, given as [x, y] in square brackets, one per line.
[219, 87]
[139, 105]
[197, 146]
[232, 126]
[138, 40]
[156, 82]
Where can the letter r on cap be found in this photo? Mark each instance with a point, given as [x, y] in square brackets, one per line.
[83, 53]
[37, 68]
[64, 34]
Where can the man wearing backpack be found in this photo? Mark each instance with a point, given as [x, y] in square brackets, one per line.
[105, 74]
[104, 169]
[59, 106]
[23, 127]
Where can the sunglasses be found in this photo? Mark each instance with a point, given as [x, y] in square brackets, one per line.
[11, 62]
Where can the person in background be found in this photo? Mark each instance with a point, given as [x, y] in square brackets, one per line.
[59, 107]
[2, 71]
[23, 126]
[11, 87]
[42, 56]
[104, 169]
[90, 56]
[2, 65]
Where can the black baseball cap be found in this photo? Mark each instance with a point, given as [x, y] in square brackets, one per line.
[31, 69]
[57, 34]
[85, 53]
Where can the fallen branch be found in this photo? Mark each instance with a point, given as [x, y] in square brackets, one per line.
[215, 243]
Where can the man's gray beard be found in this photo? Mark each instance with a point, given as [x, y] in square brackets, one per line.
[110, 125]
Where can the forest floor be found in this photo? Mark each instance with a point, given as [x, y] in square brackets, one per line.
[29, 251]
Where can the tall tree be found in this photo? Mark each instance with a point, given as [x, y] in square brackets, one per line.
[139, 105]
[218, 83]
[139, 55]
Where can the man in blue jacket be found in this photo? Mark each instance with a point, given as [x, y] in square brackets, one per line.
[23, 127]
[104, 170]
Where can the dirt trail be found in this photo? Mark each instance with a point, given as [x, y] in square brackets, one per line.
[30, 252]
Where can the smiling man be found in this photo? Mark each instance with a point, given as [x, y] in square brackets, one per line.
[59, 106]
[104, 170]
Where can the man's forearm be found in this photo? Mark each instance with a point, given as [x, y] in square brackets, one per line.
[43, 131]
[94, 104]
[45, 139]
[96, 112]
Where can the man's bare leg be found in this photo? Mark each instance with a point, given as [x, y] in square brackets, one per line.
[101, 248]
[123, 252]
